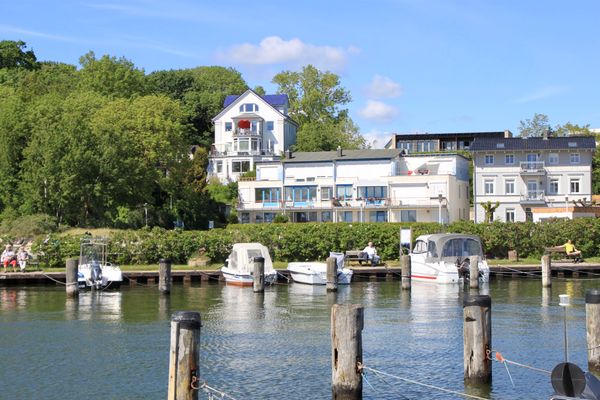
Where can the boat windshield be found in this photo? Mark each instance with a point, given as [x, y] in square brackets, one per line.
[233, 262]
[461, 247]
[254, 253]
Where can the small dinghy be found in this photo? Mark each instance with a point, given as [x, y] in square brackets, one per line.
[315, 273]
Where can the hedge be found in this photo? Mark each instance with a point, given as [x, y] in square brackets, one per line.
[312, 241]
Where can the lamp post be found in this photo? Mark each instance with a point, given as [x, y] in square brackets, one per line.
[146, 213]
[440, 198]
[567, 206]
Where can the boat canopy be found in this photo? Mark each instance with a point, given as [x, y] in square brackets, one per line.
[448, 247]
[242, 256]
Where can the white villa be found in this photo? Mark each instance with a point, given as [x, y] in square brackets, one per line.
[250, 128]
[533, 178]
[358, 186]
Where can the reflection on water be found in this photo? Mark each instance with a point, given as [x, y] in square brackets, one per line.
[275, 344]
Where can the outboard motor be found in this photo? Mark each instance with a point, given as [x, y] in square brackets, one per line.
[96, 275]
[464, 268]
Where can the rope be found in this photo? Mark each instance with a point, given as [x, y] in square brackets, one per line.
[377, 372]
[283, 276]
[57, 281]
[209, 389]
[498, 357]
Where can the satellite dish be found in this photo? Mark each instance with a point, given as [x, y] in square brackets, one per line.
[568, 380]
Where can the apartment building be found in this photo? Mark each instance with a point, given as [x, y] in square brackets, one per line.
[440, 142]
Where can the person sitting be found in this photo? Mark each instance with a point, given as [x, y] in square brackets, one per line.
[22, 257]
[371, 253]
[9, 257]
[572, 251]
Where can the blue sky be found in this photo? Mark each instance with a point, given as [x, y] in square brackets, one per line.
[411, 66]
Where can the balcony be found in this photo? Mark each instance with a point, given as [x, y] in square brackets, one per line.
[232, 153]
[533, 197]
[533, 168]
[245, 133]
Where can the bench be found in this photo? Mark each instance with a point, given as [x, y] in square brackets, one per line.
[357, 256]
[560, 250]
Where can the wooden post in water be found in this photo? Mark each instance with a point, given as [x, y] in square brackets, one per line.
[474, 272]
[164, 276]
[184, 368]
[259, 275]
[406, 271]
[332, 276]
[592, 323]
[477, 338]
[546, 271]
[347, 322]
[72, 285]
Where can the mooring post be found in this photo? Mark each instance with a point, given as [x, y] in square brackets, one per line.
[347, 322]
[592, 319]
[546, 271]
[477, 338]
[184, 356]
[474, 272]
[259, 275]
[332, 276]
[164, 276]
[72, 284]
[406, 271]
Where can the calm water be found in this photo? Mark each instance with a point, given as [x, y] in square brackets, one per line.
[114, 345]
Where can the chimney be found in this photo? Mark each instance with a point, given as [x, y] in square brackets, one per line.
[339, 151]
[288, 154]
[507, 134]
[545, 134]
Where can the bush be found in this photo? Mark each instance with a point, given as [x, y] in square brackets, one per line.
[28, 226]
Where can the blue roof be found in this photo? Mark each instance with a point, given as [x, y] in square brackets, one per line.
[272, 99]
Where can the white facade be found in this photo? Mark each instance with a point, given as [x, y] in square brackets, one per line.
[359, 186]
[524, 175]
[250, 129]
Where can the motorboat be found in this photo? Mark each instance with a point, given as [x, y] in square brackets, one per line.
[239, 266]
[95, 272]
[446, 257]
[315, 273]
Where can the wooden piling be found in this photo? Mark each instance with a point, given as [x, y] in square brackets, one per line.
[132, 281]
[477, 338]
[474, 272]
[592, 319]
[406, 271]
[259, 275]
[184, 368]
[347, 321]
[164, 276]
[332, 276]
[546, 271]
[72, 284]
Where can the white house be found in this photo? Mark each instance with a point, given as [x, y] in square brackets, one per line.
[358, 186]
[528, 175]
[250, 128]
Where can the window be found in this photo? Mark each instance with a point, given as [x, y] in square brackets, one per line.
[377, 216]
[259, 218]
[326, 192]
[420, 247]
[301, 194]
[228, 126]
[575, 159]
[532, 157]
[509, 186]
[249, 107]
[528, 215]
[372, 192]
[509, 159]
[489, 159]
[269, 217]
[574, 185]
[408, 215]
[270, 125]
[347, 216]
[488, 185]
[245, 218]
[553, 186]
[219, 166]
[240, 166]
[344, 192]
[553, 158]
[267, 195]
[510, 215]
[326, 216]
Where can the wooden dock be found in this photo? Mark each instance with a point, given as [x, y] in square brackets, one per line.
[566, 269]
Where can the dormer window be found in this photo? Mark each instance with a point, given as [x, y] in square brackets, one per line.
[249, 107]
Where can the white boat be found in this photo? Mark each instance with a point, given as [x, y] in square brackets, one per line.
[445, 258]
[94, 271]
[315, 273]
[239, 266]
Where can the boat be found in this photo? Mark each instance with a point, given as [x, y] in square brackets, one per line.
[95, 272]
[239, 266]
[315, 273]
[445, 258]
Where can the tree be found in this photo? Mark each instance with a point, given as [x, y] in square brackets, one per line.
[316, 103]
[570, 129]
[14, 55]
[489, 209]
[111, 76]
[535, 127]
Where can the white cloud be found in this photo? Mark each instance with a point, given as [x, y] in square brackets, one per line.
[383, 87]
[275, 50]
[378, 111]
[542, 94]
[377, 139]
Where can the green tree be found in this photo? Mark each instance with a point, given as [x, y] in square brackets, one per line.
[111, 76]
[535, 127]
[489, 209]
[570, 129]
[14, 55]
[316, 103]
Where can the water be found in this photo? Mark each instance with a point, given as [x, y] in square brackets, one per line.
[114, 345]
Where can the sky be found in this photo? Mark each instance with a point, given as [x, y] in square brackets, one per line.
[410, 65]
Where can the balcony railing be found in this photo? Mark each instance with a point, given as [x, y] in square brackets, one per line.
[350, 204]
[532, 167]
[232, 153]
[246, 133]
[533, 197]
